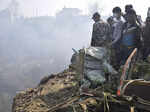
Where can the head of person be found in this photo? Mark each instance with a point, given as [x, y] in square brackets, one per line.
[117, 12]
[128, 7]
[96, 17]
[110, 21]
[131, 16]
[148, 21]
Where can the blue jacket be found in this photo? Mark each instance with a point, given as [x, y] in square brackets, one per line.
[131, 35]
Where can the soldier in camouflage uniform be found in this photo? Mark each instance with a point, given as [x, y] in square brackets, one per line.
[101, 32]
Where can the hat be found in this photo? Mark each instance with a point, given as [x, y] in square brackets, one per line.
[96, 14]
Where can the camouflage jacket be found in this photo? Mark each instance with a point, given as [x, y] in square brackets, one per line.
[100, 34]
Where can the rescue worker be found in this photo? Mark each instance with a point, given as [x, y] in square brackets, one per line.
[101, 32]
[146, 39]
[118, 23]
[116, 35]
[131, 36]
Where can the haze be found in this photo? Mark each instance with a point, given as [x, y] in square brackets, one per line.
[37, 37]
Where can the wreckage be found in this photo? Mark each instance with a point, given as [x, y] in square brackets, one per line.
[91, 84]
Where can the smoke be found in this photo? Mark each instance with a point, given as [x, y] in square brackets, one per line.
[4, 4]
[31, 48]
[96, 7]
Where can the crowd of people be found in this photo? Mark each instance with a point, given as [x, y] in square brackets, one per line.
[123, 32]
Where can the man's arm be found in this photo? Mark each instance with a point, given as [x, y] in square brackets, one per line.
[109, 33]
[93, 36]
[139, 37]
[117, 33]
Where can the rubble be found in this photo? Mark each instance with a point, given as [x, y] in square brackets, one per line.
[57, 89]
[61, 92]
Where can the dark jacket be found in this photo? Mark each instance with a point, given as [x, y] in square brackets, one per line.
[146, 36]
[133, 29]
[100, 34]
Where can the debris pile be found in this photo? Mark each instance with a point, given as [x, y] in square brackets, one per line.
[61, 92]
[55, 90]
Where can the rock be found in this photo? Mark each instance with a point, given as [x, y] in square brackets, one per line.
[141, 71]
[96, 77]
[96, 65]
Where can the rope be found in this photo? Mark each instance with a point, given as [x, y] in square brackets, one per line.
[106, 105]
[142, 101]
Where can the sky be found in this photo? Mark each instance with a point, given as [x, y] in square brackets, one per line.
[29, 8]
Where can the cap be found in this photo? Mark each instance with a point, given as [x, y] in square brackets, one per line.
[96, 14]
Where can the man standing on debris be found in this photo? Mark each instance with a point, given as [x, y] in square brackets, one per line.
[146, 39]
[131, 36]
[116, 36]
[101, 32]
[118, 23]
